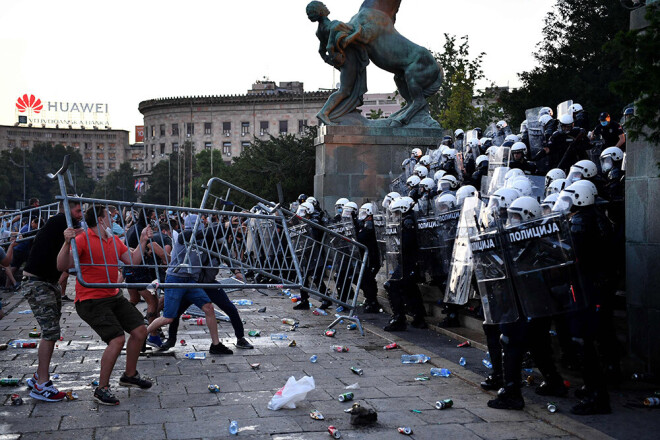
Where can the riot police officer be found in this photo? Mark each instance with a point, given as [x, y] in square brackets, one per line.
[339, 208]
[366, 234]
[481, 172]
[518, 151]
[402, 289]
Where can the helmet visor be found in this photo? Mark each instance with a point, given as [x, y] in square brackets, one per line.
[547, 208]
[515, 218]
[606, 164]
[339, 209]
[348, 213]
[563, 204]
[362, 214]
[444, 185]
[574, 176]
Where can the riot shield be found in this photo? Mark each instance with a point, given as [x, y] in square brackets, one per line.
[379, 226]
[399, 183]
[430, 241]
[393, 248]
[538, 187]
[461, 267]
[535, 131]
[447, 224]
[564, 108]
[493, 280]
[498, 157]
[543, 267]
[498, 138]
[458, 144]
[424, 206]
[436, 160]
[497, 181]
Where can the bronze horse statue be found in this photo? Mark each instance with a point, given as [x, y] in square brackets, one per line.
[416, 73]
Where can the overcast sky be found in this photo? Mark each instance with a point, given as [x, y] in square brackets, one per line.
[122, 52]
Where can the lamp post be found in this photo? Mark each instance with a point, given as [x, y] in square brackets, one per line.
[24, 167]
[123, 192]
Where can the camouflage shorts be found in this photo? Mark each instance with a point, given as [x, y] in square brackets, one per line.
[45, 300]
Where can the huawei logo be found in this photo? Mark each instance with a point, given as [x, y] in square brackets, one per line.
[29, 102]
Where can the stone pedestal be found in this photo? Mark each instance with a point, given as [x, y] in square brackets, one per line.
[359, 162]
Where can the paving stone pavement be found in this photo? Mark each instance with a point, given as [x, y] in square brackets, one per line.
[179, 406]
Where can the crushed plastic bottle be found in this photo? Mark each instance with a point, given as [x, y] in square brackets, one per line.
[195, 355]
[442, 372]
[462, 362]
[278, 336]
[414, 358]
[289, 321]
[254, 333]
[340, 348]
[23, 343]
[487, 363]
[313, 359]
[242, 302]
[153, 287]
[233, 427]
[320, 312]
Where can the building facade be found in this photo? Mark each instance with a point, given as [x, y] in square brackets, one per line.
[102, 150]
[227, 123]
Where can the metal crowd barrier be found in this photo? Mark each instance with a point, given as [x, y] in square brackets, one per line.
[12, 222]
[331, 265]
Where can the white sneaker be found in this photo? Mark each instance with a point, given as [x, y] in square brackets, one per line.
[47, 392]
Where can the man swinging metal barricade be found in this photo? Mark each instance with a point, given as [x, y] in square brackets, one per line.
[316, 250]
[527, 270]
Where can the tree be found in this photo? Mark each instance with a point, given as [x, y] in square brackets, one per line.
[638, 52]
[459, 111]
[375, 114]
[117, 185]
[571, 63]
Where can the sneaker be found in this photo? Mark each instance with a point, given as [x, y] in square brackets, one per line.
[135, 381]
[219, 348]
[105, 397]
[506, 400]
[169, 343]
[154, 341]
[66, 299]
[46, 392]
[244, 344]
[373, 307]
[31, 382]
[302, 305]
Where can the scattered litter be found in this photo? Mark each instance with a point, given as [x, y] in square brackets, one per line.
[56, 376]
[16, 399]
[3, 347]
[70, 395]
[462, 362]
[262, 310]
[313, 359]
[340, 348]
[530, 380]
[330, 333]
[422, 378]
[416, 411]
[254, 333]
[391, 346]
[316, 415]
[362, 416]
[213, 388]
[355, 386]
[464, 344]
[346, 397]
[352, 326]
[278, 336]
[320, 312]
[34, 333]
[293, 391]
[487, 363]
[255, 366]
[552, 407]
[405, 430]
[233, 427]
[10, 382]
[652, 401]
[195, 355]
[444, 404]
[442, 372]
[289, 321]
[334, 432]
[528, 370]
[23, 343]
[414, 358]
[183, 342]
[357, 371]
[25, 312]
[95, 383]
[242, 302]
[339, 309]
[292, 343]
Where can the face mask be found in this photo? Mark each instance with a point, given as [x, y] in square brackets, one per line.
[109, 232]
[603, 123]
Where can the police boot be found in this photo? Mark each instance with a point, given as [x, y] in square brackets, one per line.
[552, 387]
[325, 304]
[396, 324]
[302, 305]
[508, 397]
[597, 403]
[372, 307]
[493, 382]
[450, 321]
[419, 322]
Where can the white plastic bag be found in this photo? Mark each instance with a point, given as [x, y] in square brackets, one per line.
[293, 391]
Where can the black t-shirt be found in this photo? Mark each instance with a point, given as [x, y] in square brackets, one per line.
[610, 134]
[42, 261]
[162, 240]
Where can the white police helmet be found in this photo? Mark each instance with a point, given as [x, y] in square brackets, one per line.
[447, 183]
[524, 209]
[464, 192]
[554, 174]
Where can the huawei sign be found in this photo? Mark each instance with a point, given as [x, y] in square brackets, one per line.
[26, 102]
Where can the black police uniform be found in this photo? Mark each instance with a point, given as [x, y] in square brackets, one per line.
[475, 179]
[559, 145]
[581, 119]
[404, 291]
[527, 167]
[610, 134]
[450, 168]
[366, 235]
[314, 270]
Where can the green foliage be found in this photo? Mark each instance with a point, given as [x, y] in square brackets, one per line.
[375, 114]
[459, 111]
[40, 160]
[117, 185]
[638, 52]
[571, 63]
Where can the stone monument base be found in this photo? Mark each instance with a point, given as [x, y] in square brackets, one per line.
[359, 162]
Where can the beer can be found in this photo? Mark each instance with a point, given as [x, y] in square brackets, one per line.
[391, 346]
[330, 333]
[464, 344]
[345, 397]
[652, 401]
[334, 432]
[552, 407]
[357, 371]
[213, 388]
[444, 404]
[405, 430]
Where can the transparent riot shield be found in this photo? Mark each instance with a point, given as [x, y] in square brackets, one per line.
[459, 145]
[430, 242]
[535, 130]
[564, 108]
[538, 187]
[379, 226]
[493, 280]
[447, 224]
[498, 157]
[461, 266]
[393, 248]
[543, 267]
[497, 181]
[498, 138]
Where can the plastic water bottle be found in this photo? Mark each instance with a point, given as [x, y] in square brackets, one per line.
[339, 309]
[487, 364]
[278, 336]
[462, 362]
[313, 359]
[442, 372]
[414, 358]
[528, 370]
[200, 321]
[21, 343]
[243, 302]
[196, 355]
[233, 427]
[320, 312]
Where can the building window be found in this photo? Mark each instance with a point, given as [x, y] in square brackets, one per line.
[100, 147]
[207, 128]
[112, 156]
[26, 144]
[112, 147]
[88, 145]
[88, 156]
[11, 143]
[190, 128]
[226, 128]
[245, 128]
[100, 156]
[263, 128]
[208, 145]
[302, 124]
[226, 148]
[244, 145]
[153, 131]
[162, 149]
[175, 147]
[162, 129]
[284, 127]
[175, 129]
[153, 150]
[111, 166]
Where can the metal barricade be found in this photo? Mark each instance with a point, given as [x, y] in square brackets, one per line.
[331, 265]
[12, 222]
